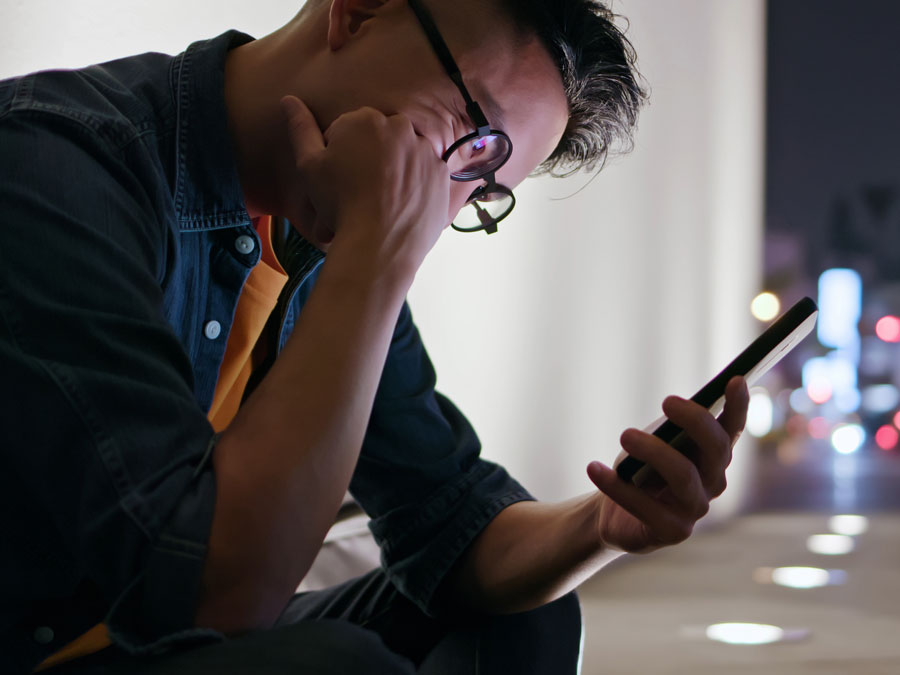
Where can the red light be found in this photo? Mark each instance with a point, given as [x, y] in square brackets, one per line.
[819, 427]
[888, 328]
[819, 391]
[897, 419]
[886, 437]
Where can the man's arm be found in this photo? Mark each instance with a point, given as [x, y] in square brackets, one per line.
[286, 460]
[533, 553]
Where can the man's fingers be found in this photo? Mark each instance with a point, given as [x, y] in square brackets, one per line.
[660, 520]
[677, 472]
[734, 416]
[303, 130]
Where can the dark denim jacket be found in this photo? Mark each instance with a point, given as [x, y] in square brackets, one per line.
[123, 250]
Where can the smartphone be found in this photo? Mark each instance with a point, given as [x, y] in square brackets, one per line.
[785, 333]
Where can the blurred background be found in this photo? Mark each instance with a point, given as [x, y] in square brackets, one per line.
[765, 169]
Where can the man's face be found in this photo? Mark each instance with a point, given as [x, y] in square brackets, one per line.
[390, 65]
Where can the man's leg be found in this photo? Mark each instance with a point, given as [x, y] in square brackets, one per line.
[544, 641]
[366, 626]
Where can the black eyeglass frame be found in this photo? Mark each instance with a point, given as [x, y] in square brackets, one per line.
[476, 115]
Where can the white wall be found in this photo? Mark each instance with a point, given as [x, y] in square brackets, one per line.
[582, 313]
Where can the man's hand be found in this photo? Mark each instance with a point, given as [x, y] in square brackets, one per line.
[642, 519]
[370, 182]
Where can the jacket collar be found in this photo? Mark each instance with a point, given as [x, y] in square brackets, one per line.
[208, 193]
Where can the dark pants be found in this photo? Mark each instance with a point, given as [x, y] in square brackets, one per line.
[365, 626]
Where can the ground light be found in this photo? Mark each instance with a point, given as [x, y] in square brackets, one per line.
[799, 577]
[745, 633]
[848, 524]
[830, 544]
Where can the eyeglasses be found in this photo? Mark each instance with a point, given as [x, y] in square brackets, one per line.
[476, 156]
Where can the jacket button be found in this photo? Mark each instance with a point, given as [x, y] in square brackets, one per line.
[212, 329]
[244, 244]
[44, 635]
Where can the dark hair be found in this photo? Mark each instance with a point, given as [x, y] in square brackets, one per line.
[602, 84]
[597, 63]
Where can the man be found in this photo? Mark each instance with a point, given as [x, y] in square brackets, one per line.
[196, 385]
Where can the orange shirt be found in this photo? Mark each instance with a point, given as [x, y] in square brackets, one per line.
[257, 300]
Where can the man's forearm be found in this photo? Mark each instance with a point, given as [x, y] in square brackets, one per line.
[286, 460]
[531, 554]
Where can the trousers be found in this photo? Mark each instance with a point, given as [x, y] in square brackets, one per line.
[365, 626]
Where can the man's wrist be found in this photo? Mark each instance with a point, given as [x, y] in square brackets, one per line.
[364, 258]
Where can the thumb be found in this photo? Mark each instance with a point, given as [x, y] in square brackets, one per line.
[303, 130]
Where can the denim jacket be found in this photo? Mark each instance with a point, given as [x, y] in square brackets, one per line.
[124, 245]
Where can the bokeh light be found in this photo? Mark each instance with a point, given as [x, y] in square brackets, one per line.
[744, 633]
[847, 524]
[880, 398]
[819, 390]
[801, 403]
[830, 544]
[819, 427]
[765, 306]
[760, 414]
[848, 438]
[888, 328]
[886, 437]
[801, 577]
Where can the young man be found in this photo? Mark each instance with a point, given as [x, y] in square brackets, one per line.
[195, 385]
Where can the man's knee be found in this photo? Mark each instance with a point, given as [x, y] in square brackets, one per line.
[543, 640]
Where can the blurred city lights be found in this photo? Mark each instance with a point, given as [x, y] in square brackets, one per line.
[819, 390]
[830, 376]
[760, 414]
[819, 427]
[847, 400]
[840, 307]
[880, 398]
[897, 419]
[849, 525]
[744, 633]
[830, 544]
[886, 437]
[848, 438]
[765, 306]
[876, 358]
[888, 328]
[801, 402]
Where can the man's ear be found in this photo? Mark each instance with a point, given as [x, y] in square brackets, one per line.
[347, 17]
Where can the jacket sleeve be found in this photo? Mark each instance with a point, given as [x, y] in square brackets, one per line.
[420, 476]
[105, 482]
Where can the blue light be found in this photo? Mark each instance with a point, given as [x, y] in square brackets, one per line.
[880, 398]
[840, 307]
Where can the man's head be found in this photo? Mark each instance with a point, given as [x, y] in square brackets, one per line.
[556, 76]
[601, 82]
[593, 59]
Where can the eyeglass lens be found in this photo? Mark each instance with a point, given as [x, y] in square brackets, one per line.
[486, 208]
[478, 156]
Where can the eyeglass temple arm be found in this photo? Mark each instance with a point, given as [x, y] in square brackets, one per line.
[443, 53]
